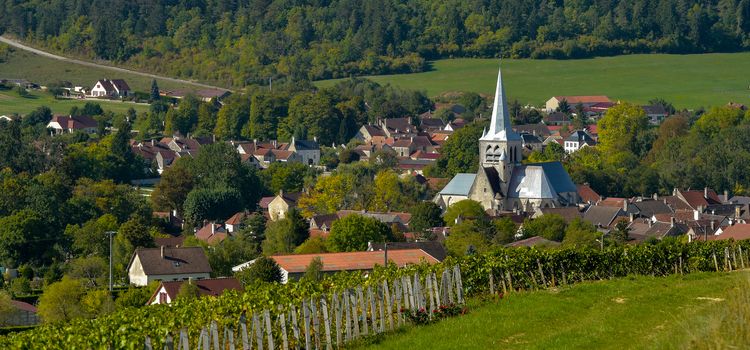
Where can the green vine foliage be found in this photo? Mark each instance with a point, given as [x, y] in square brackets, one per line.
[526, 268]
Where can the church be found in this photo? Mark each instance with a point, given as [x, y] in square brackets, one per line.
[502, 182]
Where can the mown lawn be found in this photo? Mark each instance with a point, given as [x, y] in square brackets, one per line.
[628, 313]
[688, 81]
[11, 102]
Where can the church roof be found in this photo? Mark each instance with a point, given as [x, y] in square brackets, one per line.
[493, 178]
[500, 129]
[530, 182]
[459, 185]
[540, 180]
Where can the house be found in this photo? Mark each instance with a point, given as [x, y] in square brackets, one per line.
[736, 232]
[603, 216]
[234, 223]
[588, 195]
[21, 314]
[431, 124]
[293, 266]
[308, 152]
[368, 132]
[212, 233]
[587, 101]
[111, 88]
[540, 130]
[280, 205]
[655, 113]
[61, 124]
[642, 230]
[567, 213]
[531, 142]
[398, 127]
[168, 290]
[395, 220]
[433, 248]
[577, 140]
[503, 182]
[167, 264]
[557, 118]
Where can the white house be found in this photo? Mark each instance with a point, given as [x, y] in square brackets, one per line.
[308, 152]
[168, 264]
[61, 124]
[111, 88]
[577, 140]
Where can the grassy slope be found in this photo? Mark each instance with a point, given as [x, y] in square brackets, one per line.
[628, 313]
[24, 65]
[688, 81]
[11, 103]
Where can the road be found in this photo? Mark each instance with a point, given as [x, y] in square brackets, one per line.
[21, 46]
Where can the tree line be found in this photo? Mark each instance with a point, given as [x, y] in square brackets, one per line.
[238, 43]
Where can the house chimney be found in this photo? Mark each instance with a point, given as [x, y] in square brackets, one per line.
[631, 217]
[674, 191]
[650, 223]
[213, 227]
[625, 205]
[696, 215]
[705, 192]
[726, 197]
[162, 252]
[315, 138]
[713, 226]
[153, 142]
[255, 143]
[656, 196]
[672, 221]
[737, 212]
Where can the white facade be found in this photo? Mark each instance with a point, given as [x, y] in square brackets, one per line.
[139, 278]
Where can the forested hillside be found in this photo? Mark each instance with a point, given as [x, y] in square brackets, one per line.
[240, 42]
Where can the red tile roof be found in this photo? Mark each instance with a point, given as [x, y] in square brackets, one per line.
[584, 99]
[353, 260]
[588, 194]
[737, 232]
[236, 219]
[23, 306]
[211, 286]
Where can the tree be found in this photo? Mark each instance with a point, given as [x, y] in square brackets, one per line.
[552, 152]
[289, 177]
[425, 215]
[388, 191]
[505, 231]
[91, 271]
[465, 209]
[6, 308]
[60, 301]
[188, 291]
[40, 116]
[173, 188]
[313, 245]
[330, 194]
[550, 226]
[135, 296]
[466, 237]
[352, 233]
[459, 153]
[264, 269]
[620, 127]
[24, 237]
[282, 236]
[230, 252]
[211, 204]
[580, 234]
[621, 233]
[564, 106]
[314, 271]
[154, 96]
[137, 233]
[91, 237]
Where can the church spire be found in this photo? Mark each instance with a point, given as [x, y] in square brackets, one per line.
[500, 129]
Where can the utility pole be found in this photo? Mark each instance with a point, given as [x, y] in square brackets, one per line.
[385, 264]
[110, 233]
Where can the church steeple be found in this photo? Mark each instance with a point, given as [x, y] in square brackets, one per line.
[500, 129]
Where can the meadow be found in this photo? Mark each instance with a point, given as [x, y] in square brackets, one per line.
[688, 81]
[673, 312]
[21, 64]
[11, 102]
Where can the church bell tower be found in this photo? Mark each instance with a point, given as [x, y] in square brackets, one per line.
[500, 146]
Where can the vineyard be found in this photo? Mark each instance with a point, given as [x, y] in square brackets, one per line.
[348, 306]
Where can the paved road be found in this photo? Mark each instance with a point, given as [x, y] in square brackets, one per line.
[17, 44]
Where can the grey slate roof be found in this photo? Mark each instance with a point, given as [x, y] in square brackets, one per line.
[649, 208]
[530, 182]
[580, 136]
[602, 215]
[557, 176]
[459, 185]
[175, 261]
[305, 145]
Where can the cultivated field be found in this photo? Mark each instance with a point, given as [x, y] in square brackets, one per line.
[688, 81]
[11, 102]
[676, 312]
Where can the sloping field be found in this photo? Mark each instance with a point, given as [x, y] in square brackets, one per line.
[675, 312]
[11, 102]
[688, 81]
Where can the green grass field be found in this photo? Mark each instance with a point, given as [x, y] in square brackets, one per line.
[11, 102]
[688, 81]
[43, 70]
[628, 313]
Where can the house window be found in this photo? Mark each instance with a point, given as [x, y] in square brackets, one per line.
[162, 298]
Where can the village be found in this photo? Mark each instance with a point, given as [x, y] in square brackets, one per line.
[506, 189]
